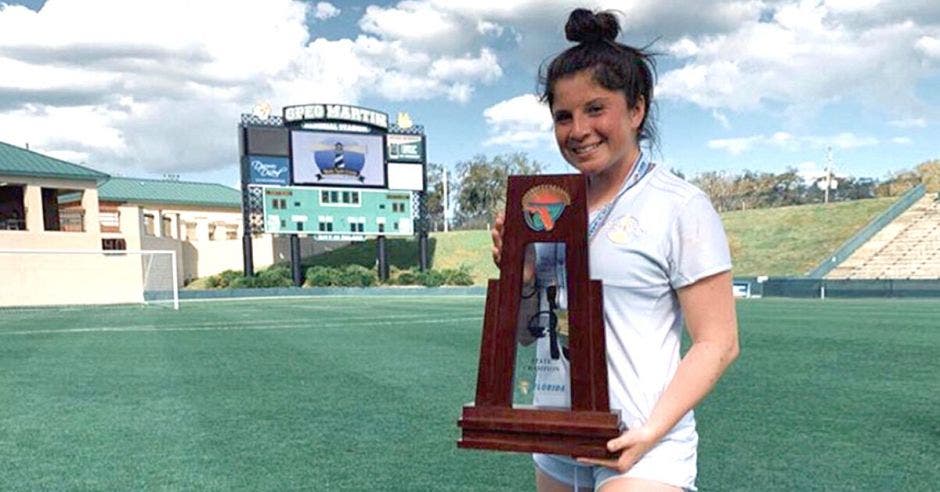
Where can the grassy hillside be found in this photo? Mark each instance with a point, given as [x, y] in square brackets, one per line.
[793, 240]
[781, 241]
[778, 241]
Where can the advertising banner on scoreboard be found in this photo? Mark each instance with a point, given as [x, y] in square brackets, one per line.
[324, 158]
[267, 170]
[405, 148]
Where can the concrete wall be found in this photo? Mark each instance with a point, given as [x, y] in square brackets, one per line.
[30, 279]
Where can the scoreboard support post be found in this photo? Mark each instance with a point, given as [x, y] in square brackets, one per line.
[382, 256]
[295, 260]
[423, 250]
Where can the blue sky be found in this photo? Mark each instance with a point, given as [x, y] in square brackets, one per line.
[146, 88]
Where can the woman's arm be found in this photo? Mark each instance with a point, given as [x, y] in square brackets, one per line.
[708, 308]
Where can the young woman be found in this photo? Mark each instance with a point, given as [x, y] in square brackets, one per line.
[659, 248]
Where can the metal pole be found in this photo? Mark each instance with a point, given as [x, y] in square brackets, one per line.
[445, 200]
[382, 256]
[423, 250]
[828, 173]
[295, 260]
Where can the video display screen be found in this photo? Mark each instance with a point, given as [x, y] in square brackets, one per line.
[338, 159]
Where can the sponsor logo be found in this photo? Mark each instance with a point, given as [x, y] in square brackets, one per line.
[268, 170]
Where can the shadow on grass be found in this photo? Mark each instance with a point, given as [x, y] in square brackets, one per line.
[402, 254]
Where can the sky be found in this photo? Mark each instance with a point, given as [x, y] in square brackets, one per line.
[145, 88]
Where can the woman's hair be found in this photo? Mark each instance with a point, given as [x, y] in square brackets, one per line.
[615, 66]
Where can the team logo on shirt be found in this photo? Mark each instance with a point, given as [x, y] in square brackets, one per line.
[624, 228]
[543, 205]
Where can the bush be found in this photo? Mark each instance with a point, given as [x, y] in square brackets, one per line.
[227, 277]
[321, 276]
[243, 283]
[407, 277]
[431, 278]
[357, 276]
[459, 276]
[274, 277]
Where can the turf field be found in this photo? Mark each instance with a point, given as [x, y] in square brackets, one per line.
[362, 393]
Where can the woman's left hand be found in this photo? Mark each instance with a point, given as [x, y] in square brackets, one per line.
[632, 444]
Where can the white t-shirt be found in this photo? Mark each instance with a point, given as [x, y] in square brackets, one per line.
[661, 235]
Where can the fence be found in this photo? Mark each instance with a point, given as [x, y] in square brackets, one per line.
[853, 288]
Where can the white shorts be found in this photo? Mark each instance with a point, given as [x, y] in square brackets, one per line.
[669, 462]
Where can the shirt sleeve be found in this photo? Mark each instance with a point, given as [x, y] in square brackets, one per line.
[697, 243]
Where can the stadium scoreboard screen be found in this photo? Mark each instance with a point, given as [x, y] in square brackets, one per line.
[332, 171]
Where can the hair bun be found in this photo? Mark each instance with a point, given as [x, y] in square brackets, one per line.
[584, 26]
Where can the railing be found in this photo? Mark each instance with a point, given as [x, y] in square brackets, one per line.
[843, 252]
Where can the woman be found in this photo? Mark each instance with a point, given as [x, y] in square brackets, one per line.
[659, 248]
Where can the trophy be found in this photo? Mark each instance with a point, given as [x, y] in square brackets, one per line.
[543, 209]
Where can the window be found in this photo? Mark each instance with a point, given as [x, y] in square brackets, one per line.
[334, 196]
[381, 227]
[110, 220]
[355, 197]
[325, 196]
[300, 226]
[12, 208]
[148, 225]
[62, 210]
[111, 244]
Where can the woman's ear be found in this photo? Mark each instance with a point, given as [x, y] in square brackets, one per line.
[637, 113]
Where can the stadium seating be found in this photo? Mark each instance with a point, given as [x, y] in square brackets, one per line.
[907, 248]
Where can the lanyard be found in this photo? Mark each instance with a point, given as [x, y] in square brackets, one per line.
[641, 167]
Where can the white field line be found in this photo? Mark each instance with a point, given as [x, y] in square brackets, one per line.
[329, 296]
[228, 326]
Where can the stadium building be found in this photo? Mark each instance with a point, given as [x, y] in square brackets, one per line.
[54, 215]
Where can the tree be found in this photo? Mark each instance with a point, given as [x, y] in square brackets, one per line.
[435, 196]
[482, 186]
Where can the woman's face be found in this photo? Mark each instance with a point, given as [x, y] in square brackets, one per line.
[595, 130]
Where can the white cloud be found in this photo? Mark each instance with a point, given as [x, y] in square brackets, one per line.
[126, 95]
[721, 119]
[902, 140]
[522, 121]
[326, 10]
[929, 46]
[909, 123]
[735, 146]
[484, 68]
[787, 141]
[808, 55]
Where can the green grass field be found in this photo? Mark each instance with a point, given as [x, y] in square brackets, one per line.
[363, 393]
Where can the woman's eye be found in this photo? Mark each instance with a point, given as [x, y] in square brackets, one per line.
[562, 117]
[595, 109]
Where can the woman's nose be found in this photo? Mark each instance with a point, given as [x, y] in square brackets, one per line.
[580, 127]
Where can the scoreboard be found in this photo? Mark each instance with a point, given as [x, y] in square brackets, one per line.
[332, 171]
[344, 213]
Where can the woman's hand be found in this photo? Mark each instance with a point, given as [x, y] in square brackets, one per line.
[632, 444]
[496, 233]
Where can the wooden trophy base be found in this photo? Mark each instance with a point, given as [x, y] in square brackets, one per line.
[582, 434]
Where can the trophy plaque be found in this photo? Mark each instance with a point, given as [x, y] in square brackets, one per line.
[542, 209]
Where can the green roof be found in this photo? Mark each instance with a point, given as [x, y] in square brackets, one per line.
[16, 161]
[153, 191]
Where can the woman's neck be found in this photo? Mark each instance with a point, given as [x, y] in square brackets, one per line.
[604, 186]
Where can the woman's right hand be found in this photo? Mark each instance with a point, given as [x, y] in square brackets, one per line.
[496, 233]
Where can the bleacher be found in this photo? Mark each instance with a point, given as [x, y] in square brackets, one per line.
[907, 248]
